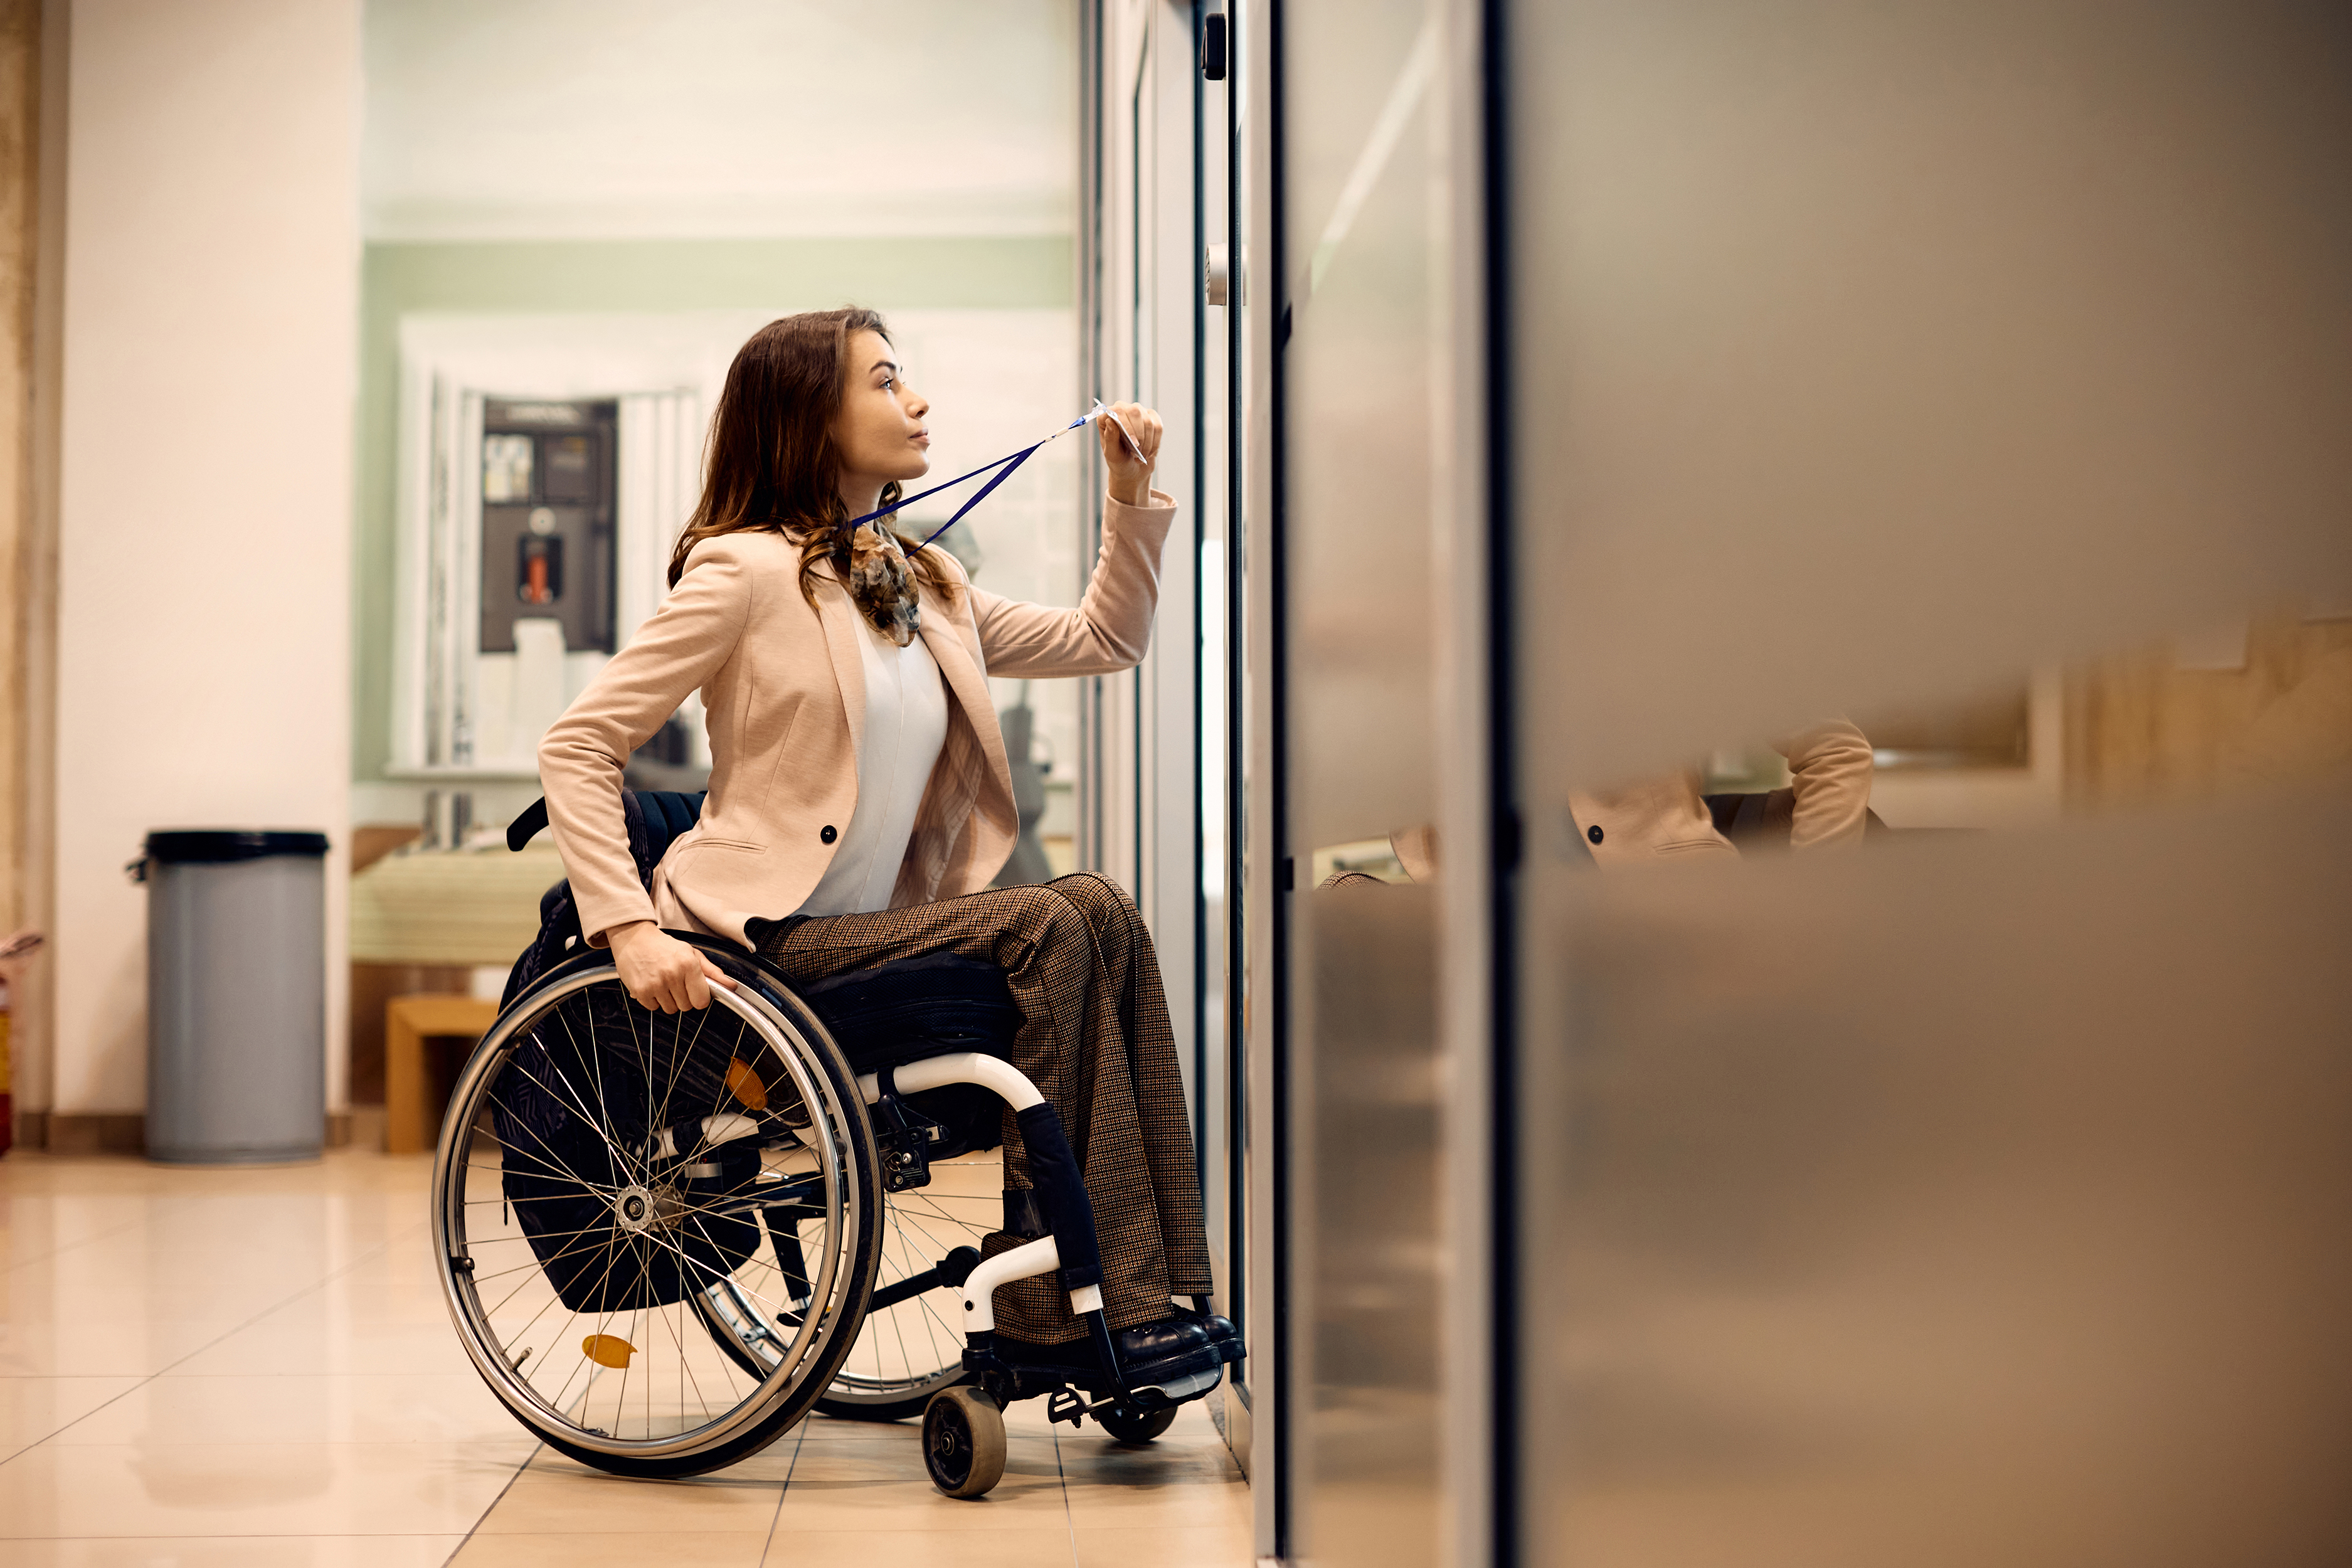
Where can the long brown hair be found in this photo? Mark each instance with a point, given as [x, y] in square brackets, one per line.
[771, 463]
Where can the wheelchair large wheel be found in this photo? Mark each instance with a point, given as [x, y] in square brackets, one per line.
[615, 1185]
[911, 1345]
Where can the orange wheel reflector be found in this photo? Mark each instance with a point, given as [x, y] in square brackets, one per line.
[606, 1350]
[745, 1086]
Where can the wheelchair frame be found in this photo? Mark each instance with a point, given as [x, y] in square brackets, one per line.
[877, 1143]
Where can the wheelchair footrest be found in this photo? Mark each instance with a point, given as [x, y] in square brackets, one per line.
[1175, 1379]
[1176, 1388]
[1157, 1365]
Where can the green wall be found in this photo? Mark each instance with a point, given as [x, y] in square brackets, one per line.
[625, 276]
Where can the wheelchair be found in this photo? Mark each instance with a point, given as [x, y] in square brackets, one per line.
[665, 1239]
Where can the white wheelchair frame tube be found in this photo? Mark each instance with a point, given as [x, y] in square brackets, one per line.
[1010, 1085]
[995, 1074]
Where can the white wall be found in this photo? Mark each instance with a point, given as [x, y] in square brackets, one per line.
[211, 282]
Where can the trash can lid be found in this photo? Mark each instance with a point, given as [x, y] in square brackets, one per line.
[182, 845]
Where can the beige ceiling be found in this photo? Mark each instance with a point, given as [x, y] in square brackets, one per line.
[702, 119]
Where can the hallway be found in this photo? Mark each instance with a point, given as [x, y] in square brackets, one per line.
[253, 1369]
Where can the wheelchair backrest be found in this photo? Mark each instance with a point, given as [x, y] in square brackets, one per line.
[655, 818]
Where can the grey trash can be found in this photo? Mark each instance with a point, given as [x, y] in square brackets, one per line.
[236, 996]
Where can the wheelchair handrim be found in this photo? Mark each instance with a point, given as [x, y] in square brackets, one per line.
[829, 1307]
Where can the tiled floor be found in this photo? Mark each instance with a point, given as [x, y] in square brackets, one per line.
[253, 1369]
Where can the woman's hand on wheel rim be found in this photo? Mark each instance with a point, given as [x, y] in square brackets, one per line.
[662, 973]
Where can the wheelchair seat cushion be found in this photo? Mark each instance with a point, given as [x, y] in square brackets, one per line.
[916, 1007]
[930, 1006]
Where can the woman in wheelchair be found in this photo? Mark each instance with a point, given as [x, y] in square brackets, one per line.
[792, 1020]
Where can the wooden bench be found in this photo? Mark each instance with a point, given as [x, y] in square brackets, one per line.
[411, 1126]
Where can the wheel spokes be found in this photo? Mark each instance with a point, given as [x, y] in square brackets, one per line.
[585, 1246]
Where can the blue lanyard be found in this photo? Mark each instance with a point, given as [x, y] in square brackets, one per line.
[1003, 466]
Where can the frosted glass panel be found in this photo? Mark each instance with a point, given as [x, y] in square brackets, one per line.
[1363, 519]
[1980, 372]
[1868, 354]
[1947, 1204]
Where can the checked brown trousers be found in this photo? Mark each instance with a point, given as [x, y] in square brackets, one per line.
[1095, 1041]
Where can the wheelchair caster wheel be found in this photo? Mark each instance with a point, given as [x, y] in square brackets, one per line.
[963, 1442]
[1127, 1424]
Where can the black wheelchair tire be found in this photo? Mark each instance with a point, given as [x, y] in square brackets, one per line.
[852, 1409]
[843, 1407]
[1125, 1424]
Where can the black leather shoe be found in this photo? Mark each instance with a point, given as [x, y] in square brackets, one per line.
[1221, 1332]
[1172, 1342]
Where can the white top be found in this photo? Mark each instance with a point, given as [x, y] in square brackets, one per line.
[906, 726]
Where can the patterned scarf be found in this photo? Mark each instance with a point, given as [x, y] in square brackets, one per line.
[882, 585]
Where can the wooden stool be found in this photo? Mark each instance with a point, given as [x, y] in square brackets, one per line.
[410, 1126]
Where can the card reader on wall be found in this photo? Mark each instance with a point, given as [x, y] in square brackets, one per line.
[549, 473]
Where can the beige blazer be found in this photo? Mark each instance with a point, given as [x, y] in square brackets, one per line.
[783, 695]
[1666, 818]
